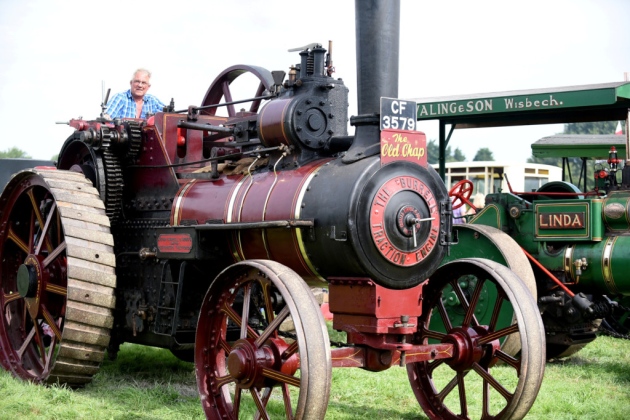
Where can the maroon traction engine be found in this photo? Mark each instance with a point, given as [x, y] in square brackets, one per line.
[202, 234]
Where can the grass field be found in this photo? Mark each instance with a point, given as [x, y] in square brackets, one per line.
[149, 383]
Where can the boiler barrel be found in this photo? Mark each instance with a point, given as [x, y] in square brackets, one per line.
[608, 269]
[360, 214]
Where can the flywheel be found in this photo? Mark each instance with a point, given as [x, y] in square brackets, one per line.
[57, 276]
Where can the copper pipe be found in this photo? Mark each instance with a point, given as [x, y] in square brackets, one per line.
[554, 278]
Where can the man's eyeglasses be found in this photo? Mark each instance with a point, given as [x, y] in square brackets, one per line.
[139, 82]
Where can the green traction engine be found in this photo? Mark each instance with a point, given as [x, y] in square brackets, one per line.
[571, 248]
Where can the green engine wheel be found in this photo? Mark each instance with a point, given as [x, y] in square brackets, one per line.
[482, 241]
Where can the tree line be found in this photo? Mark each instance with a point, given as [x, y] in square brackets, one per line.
[433, 153]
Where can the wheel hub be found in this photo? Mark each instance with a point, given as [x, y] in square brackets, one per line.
[242, 362]
[30, 277]
[246, 362]
[466, 350]
[27, 281]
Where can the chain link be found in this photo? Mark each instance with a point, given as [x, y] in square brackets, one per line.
[606, 329]
[624, 308]
[612, 333]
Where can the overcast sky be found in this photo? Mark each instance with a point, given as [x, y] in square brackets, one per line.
[56, 55]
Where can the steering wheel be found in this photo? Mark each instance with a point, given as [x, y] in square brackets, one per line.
[461, 193]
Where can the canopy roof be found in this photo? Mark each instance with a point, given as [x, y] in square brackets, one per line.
[571, 104]
[599, 102]
[579, 145]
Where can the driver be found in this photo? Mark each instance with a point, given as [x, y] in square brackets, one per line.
[135, 102]
[458, 214]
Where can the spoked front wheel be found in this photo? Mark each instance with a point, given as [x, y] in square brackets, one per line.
[472, 384]
[249, 362]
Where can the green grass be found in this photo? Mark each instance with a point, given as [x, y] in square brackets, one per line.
[149, 383]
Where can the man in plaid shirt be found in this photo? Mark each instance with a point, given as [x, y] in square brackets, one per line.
[135, 102]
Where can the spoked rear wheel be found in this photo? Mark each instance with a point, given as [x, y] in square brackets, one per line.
[57, 277]
[472, 384]
[248, 364]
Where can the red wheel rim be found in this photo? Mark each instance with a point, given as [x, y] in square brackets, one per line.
[261, 365]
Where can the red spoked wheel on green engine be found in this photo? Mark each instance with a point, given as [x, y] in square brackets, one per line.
[262, 349]
[473, 384]
[57, 277]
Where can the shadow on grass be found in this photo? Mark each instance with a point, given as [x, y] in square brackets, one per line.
[358, 411]
[594, 358]
[143, 380]
[620, 371]
[151, 383]
[146, 361]
[145, 383]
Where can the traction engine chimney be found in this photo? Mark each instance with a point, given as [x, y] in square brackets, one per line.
[378, 36]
